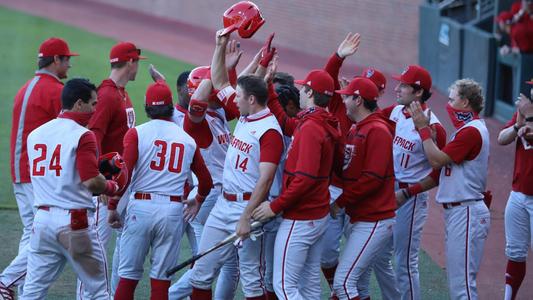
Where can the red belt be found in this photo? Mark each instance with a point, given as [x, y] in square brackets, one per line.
[233, 197]
[403, 185]
[47, 208]
[147, 196]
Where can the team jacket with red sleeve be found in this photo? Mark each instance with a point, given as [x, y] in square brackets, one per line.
[368, 173]
[113, 117]
[36, 103]
[523, 164]
[310, 160]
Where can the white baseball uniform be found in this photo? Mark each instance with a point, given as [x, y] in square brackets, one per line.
[214, 156]
[59, 197]
[467, 218]
[241, 172]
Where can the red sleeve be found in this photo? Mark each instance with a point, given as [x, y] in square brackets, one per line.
[441, 135]
[103, 115]
[435, 175]
[271, 144]
[511, 122]
[388, 110]
[376, 169]
[130, 156]
[465, 146]
[232, 75]
[306, 171]
[86, 161]
[286, 123]
[55, 102]
[205, 182]
[333, 67]
[230, 108]
[200, 132]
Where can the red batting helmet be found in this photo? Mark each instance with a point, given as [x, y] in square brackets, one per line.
[244, 17]
[196, 76]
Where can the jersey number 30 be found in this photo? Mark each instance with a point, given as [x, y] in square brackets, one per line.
[55, 160]
[176, 153]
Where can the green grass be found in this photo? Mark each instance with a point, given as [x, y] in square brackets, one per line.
[18, 62]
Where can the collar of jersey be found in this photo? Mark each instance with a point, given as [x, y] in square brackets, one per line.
[258, 115]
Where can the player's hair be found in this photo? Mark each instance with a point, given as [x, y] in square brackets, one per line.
[371, 105]
[118, 64]
[283, 78]
[75, 89]
[182, 78]
[161, 111]
[45, 61]
[425, 95]
[255, 86]
[288, 93]
[319, 99]
[471, 90]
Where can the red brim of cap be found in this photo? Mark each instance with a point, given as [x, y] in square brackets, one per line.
[72, 54]
[229, 29]
[344, 92]
[142, 57]
[300, 82]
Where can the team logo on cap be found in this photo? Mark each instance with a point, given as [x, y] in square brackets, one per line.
[369, 73]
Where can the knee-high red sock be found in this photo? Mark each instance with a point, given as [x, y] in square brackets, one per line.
[262, 297]
[329, 274]
[159, 289]
[126, 289]
[514, 275]
[199, 294]
[271, 296]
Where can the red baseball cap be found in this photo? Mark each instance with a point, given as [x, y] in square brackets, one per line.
[157, 94]
[376, 76]
[505, 16]
[417, 75]
[55, 46]
[361, 86]
[124, 51]
[319, 81]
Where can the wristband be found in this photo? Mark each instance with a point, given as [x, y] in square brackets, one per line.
[111, 187]
[199, 198]
[197, 108]
[414, 189]
[112, 204]
[425, 133]
[224, 94]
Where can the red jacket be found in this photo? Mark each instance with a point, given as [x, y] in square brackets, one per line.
[113, 117]
[36, 103]
[368, 176]
[314, 150]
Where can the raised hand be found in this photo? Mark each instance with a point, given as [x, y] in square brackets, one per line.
[272, 69]
[267, 52]
[420, 119]
[222, 40]
[155, 74]
[233, 54]
[349, 46]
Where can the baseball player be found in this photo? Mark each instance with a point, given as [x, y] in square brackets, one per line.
[113, 117]
[518, 211]
[249, 169]
[36, 103]
[298, 241]
[368, 167]
[160, 155]
[64, 175]
[463, 165]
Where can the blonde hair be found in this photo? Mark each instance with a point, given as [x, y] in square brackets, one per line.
[472, 91]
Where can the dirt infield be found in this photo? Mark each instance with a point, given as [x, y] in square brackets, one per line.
[194, 45]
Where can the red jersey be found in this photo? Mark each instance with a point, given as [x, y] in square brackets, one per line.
[310, 160]
[523, 165]
[368, 173]
[113, 117]
[36, 103]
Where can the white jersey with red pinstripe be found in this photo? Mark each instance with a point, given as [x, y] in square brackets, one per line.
[166, 152]
[52, 156]
[215, 154]
[410, 162]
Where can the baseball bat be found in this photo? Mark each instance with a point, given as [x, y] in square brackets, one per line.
[229, 239]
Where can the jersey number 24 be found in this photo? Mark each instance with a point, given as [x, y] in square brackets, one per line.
[55, 161]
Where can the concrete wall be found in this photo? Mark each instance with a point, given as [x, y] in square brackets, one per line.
[389, 27]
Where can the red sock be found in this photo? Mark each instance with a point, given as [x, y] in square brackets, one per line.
[126, 289]
[199, 294]
[271, 296]
[515, 273]
[159, 289]
[329, 274]
[262, 297]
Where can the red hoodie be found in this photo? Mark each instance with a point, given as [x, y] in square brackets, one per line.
[368, 173]
[113, 117]
[316, 146]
